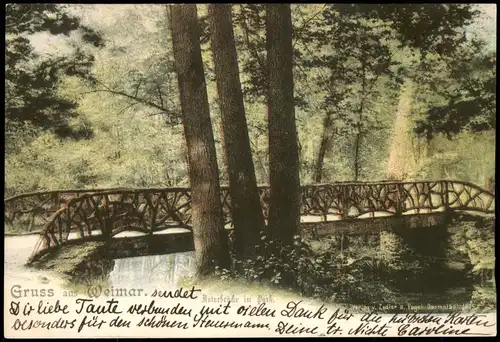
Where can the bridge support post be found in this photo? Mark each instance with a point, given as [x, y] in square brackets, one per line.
[108, 227]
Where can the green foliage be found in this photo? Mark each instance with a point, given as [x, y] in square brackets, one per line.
[427, 27]
[484, 298]
[356, 270]
[31, 80]
[250, 36]
[326, 275]
[128, 150]
[466, 95]
[476, 241]
[351, 270]
[127, 111]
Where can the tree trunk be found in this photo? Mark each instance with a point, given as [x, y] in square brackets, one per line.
[246, 211]
[323, 147]
[357, 146]
[400, 162]
[284, 211]
[357, 143]
[210, 239]
[490, 184]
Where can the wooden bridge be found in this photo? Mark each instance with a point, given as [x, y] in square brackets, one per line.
[69, 215]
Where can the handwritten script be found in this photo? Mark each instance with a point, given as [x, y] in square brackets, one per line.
[188, 309]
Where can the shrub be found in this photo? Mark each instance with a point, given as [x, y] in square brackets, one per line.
[484, 298]
[324, 275]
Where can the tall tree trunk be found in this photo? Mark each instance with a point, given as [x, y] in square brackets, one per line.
[210, 239]
[490, 184]
[357, 143]
[357, 147]
[400, 162]
[326, 136]
[246, 210]
[284, 211]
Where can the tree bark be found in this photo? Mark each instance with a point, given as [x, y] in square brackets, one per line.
[490, 184]
[285, 201]
[400, 163]
[326, 136]
[357, 146]
[246, 210]
[210, 239]
[357, 143]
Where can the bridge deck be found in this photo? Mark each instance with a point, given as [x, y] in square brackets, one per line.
[76, 214]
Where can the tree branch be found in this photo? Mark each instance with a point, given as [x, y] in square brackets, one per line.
[138, 86]
[159, 93]
[132, 97]
[127, 107]
[249, 44]
[21, 19]
[300, 30]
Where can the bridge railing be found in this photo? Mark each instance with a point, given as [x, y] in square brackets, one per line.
[111, 212]
[71, 214]
[352, 200]
[344, 200]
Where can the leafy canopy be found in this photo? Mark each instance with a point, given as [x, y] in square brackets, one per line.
[31, 80]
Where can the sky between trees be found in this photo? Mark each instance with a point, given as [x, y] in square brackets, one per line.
[101, 16]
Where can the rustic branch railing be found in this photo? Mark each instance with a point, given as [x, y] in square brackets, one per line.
[71, 214]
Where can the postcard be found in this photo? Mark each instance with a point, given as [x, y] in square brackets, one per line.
[249, 170]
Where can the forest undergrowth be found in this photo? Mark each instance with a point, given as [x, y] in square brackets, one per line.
[354, 270]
